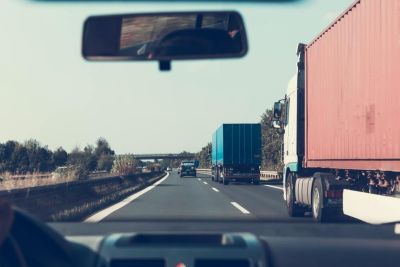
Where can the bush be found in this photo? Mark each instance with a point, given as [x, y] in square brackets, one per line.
[124, 165]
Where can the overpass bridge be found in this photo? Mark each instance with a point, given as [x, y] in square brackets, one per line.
[164, 156]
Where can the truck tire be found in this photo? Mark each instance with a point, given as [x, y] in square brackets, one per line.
[256, 182]
[319, 213]
[293, 209]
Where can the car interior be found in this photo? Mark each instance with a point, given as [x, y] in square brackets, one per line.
[121, 38]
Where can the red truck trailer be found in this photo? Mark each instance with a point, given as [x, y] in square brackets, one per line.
[341, 110]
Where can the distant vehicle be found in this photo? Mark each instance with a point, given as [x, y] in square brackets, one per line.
[188, 168]
[236, 153]
[169, 169]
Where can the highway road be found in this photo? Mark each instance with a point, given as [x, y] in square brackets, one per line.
[175, 198]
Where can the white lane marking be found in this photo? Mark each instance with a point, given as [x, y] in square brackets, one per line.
[397, 228]
[199, 179]
[273, 186]
[243, 210]
[215, 189]
[107, 211]
[205, 183]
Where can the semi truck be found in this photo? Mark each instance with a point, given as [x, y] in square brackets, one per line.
[340, 114]
[236, 153]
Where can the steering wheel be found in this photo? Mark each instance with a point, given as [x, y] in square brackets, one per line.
[10, 251]
[26, 241]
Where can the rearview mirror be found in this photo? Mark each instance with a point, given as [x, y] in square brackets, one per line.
[164, 36]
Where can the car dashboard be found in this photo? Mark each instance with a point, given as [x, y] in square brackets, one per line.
[166, 249]
[194, 243]
[278, 245]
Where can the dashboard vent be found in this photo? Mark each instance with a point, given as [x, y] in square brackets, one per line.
[138, 263]
[222, 263]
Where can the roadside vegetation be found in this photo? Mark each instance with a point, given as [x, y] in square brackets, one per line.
[271, 144]
[30, 164]
[204, 157]
[31, 157]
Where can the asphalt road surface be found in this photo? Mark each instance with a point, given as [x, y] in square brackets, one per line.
[201, 198]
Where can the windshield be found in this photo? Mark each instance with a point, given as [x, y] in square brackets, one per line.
[69, 121]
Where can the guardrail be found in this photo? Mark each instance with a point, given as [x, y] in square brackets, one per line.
[29, 176]
[76, 199]
[270, 175]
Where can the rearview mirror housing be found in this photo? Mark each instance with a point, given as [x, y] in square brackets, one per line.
[164, 36]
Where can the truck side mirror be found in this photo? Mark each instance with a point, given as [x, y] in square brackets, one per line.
[277, 110]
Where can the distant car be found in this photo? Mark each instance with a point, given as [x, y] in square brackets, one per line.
[188, 169]
[169, 169]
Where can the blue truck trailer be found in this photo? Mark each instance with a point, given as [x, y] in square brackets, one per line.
[236, 153]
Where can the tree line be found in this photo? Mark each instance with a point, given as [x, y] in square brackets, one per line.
[31, 157]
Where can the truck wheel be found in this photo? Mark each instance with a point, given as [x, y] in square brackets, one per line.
[212, 178]
[319, 213]
[256, 182]
[293, 209]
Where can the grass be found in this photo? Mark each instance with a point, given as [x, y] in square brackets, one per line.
[87, 207]
[9, 182]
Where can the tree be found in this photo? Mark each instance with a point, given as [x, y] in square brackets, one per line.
[204, 156]
[104, 155]
[31, 156]
[40, 158]
[89, 158]
[103, 148]
[75, 157]
[45, 160]
[19, 160]
[271, 144]
[105, 163]
[60, 157]
[7, 151]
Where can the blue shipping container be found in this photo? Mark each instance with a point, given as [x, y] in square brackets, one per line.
[237, 144]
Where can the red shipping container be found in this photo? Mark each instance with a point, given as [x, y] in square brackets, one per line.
[353, 90]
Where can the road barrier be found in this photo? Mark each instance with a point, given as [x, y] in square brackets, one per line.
[270, 175]
[77, 199]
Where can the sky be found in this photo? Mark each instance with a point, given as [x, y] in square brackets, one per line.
[50, 93]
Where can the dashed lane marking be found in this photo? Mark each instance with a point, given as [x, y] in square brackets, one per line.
[243, 210]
